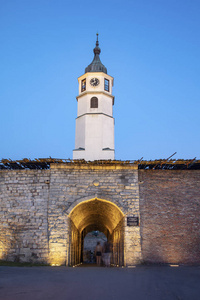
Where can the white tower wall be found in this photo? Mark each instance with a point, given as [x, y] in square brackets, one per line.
[105, 104]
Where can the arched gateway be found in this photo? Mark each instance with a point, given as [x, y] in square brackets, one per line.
[96, 215]
[89, 197]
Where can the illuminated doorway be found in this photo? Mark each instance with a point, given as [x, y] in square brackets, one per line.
[89, 245]
[96, 215]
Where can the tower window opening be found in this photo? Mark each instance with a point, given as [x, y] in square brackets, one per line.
[106, 85]
[94, 102]
[83, 85]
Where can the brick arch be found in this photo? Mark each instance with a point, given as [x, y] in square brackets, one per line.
[91, 198]
[96, 210]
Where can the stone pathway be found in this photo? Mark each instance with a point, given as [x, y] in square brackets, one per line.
[93, 283]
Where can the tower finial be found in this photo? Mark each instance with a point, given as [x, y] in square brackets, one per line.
[96, 65]
[97, 42]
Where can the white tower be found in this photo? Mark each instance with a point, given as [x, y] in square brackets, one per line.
[95, 123]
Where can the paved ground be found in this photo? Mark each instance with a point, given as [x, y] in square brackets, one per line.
[92, 283]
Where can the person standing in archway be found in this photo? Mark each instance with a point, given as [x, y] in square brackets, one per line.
[107, 249]
[98, 253]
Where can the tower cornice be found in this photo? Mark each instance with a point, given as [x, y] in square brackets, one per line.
[96, 74]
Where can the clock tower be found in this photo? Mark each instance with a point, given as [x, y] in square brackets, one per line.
[95, 123]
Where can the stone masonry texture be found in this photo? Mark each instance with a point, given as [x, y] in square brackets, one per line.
[35, 207]
[170, 215]
[72, 185]
[23, 215]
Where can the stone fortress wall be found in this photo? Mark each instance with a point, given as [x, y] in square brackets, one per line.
[23, 214]
[170, 215]
[43, 213]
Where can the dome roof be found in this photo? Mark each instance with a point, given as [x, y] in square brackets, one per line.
[96, 65]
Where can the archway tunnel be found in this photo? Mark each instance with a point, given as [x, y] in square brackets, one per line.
[96, 215]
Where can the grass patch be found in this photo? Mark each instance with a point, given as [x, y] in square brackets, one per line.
[21, 264]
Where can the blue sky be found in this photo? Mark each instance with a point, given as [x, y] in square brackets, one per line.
[150, 47]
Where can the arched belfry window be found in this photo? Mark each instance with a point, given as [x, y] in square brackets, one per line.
[94, 102]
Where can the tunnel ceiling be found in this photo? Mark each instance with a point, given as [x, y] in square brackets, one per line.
[96, 212]
[95, 227]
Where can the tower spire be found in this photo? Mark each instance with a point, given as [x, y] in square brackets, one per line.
[96, 65]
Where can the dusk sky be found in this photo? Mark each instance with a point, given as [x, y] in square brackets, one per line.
[150, 47]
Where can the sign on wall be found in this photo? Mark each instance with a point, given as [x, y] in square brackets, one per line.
[132, 221]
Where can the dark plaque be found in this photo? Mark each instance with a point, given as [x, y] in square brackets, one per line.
[132, 221]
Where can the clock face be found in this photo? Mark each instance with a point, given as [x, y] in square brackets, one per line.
[94, 81]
